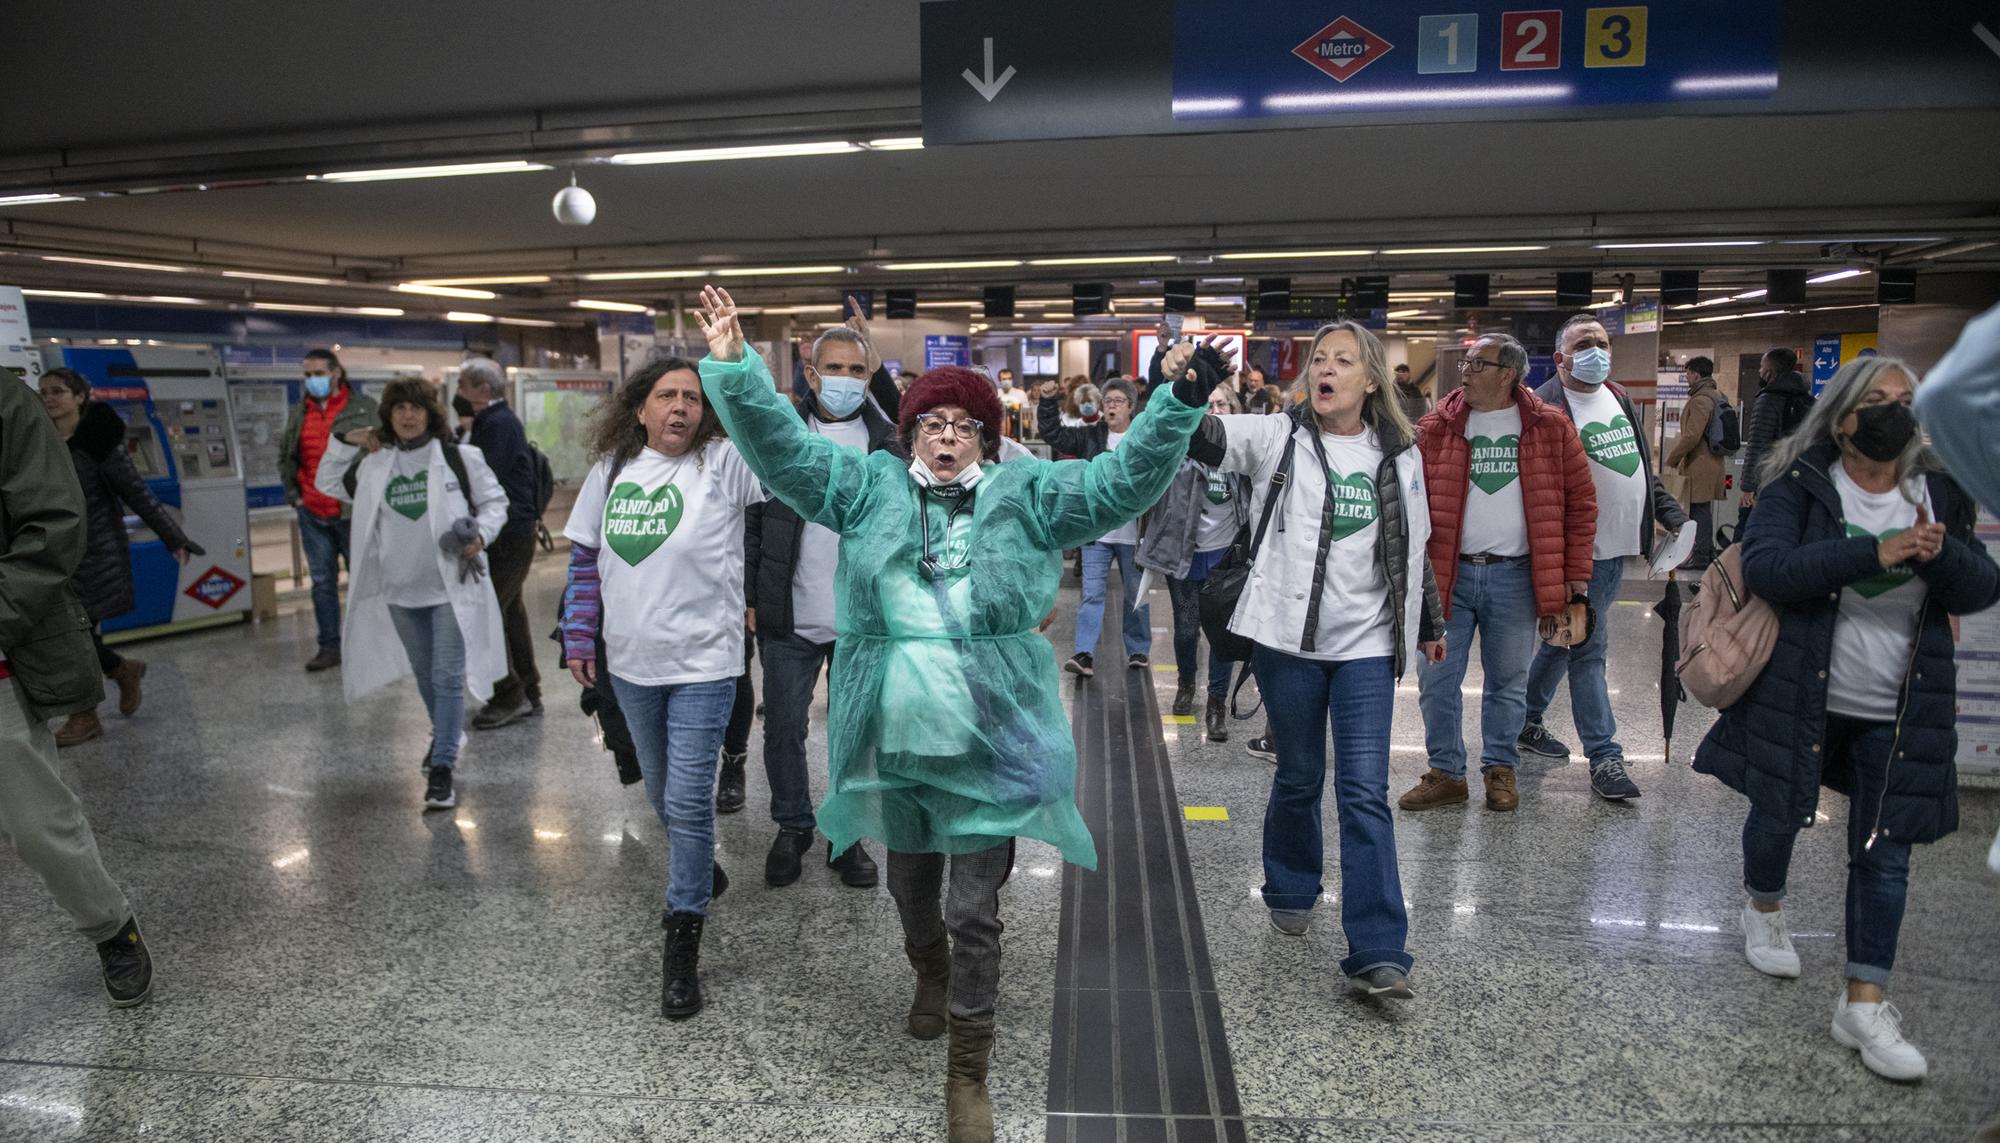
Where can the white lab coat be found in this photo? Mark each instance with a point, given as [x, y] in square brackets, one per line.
[372, 654]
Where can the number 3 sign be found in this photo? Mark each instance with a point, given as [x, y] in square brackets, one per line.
[1531, 41]
[1615, 37]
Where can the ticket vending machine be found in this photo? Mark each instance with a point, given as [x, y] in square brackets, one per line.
[181, 437]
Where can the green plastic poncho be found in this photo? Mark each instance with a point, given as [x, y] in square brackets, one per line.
[946, 732]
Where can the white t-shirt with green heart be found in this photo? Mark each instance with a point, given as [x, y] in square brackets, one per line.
[410, 575]
[1354, 604]
[1611, 442]
[669, 536]
[1877, 626]
[1495, 522]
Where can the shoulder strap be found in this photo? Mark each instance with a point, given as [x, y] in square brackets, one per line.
[457, 465]
[1278, 479]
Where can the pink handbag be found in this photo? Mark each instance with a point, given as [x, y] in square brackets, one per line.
[1726, 635]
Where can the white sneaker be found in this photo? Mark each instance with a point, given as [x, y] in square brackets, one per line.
[1876, 1030]
[1767, 943]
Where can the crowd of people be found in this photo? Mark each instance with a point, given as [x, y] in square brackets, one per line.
[897, 538]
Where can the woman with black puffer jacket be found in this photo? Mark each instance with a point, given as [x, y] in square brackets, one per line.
[1865, 549]
[111, 485]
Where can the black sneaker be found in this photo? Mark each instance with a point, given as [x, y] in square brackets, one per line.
[438, 792]
[327, 659]
[857, 869]
[128, 967]
[1535, 739]
[1609, 779]
[1262, 747]
[1137, 662]
[493, 716]
[729, 783]
[1080, 664]
[788, 849]
[1382, 980]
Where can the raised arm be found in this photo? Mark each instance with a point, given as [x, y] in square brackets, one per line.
[1048, 422]
[821, 480]
[1083, 500]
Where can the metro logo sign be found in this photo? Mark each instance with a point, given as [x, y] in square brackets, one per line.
[215, 587]
[1342, 49]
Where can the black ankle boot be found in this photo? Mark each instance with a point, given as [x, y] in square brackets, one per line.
[1184, 697]
[729, 784]
[857, 870]
[1218, 718]
[781, 865]
[680, 994]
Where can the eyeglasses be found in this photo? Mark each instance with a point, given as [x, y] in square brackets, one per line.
[934, 425]
[1478, 365]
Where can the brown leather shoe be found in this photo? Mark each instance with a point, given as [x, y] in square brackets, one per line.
[79, 729]
[127, 675]
[1436, 788]
[1500, 792]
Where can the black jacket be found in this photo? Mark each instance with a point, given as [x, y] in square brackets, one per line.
[499, 437]
[772, 532]
[1797, 556]
[111, 484]
[1082, 442]
[1769, 424]
[1666, 509]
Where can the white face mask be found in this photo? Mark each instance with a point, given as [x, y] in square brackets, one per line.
[1591, 366]
[956, 486]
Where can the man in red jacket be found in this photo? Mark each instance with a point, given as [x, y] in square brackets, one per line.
[1513, 519]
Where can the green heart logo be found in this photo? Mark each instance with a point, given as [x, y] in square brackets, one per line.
[1615, 446]
[1353, 503]
[636, 524]
[1882, 581]
[411, 494]
[1495, 464]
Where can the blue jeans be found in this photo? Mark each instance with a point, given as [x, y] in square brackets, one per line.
[1359, 695]
[325, 544]
[1498, 601]
[436, 649]
[1589, 701]
[792, 668]
[1878, 876]
[678, 732]
[1186, 596]
[1096, 577]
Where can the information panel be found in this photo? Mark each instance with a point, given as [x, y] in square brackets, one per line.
[1979, 675]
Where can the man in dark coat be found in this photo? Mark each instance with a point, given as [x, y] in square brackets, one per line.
[498, 435]
[47, 671]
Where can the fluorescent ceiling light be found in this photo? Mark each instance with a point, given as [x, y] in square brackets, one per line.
[637, 275]
[762, 271]
[260, 276]
[985, 264]
[1218, 105]
[947, 305]
[1835, 276]
[758, 151]
[1115, 260]
[802, 309]
[901, 143]
[292, 307]
[373, 311]
[1296, 254]
[169, 300]
[615, 307]
[709, 272]
[63, 294]
[496, 280]
[1748, 294]
[445, 291]
[1738, 317]
[1419, 295]
[1463, 249]
[1527, 293]
[439, 171]
[116, 265]
[462, 315]
[535, 322]
[1726, 84]
[36, 199]
[1676, 245]
[1405, 314]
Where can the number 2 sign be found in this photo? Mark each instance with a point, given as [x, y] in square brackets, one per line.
[1531, 41]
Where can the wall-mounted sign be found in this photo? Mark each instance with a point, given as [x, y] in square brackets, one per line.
[946, 349]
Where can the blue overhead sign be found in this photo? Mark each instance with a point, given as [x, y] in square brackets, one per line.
[1247, 61]
[947, 349]
[1825, 362]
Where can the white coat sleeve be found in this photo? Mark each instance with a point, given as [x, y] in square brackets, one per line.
[1959, 405]
[333, 466]
[486, 492]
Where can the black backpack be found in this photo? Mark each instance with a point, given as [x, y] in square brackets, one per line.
[1797, 406]
[545, 478]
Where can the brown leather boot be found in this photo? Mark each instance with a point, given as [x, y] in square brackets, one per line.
[1500, 792]
[127, 675]
[933, 965]
[967, 1106]
[79, 729]
[1436, 788]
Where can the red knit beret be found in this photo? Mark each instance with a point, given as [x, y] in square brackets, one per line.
[954, 385]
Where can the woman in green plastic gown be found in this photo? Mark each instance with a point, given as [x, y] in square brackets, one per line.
[946, 735]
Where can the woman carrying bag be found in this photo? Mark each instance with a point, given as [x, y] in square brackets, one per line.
[1864, 548]
[1338, 600]
[418, 599]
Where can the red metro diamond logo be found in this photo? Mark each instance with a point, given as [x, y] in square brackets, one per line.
[215, 587]
[1342, 49]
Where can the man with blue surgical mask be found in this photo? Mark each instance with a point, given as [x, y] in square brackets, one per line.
[1631, 502]
[790, 566]
[327, 406]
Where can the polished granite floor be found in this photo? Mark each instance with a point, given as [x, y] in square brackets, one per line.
[335, 964]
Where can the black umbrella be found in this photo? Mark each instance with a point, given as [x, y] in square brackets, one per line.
[1671, 694]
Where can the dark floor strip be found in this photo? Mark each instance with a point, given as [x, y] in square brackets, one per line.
[1138, 1050]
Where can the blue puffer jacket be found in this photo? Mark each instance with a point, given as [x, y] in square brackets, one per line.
[1797, 556]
